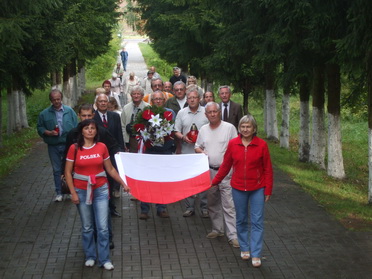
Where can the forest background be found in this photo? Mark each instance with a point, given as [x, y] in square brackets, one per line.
[303, 68]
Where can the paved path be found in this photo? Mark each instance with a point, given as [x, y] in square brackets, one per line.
[41, 239]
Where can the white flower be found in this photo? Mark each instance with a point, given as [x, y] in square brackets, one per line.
[169, 128]
[155, 120]
[159, 133]
[145, 135]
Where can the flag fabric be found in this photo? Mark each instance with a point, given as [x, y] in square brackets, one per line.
[164, 179]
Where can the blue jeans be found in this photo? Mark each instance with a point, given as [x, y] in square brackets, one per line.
[145, 207]
[250, 241]
[124, 62]
[56, 154]
[96, 213]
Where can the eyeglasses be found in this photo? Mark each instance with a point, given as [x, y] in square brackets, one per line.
[192, 98]
[158, 99]
[179, 89]
[212, 111]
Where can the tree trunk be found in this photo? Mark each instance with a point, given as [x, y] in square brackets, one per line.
[23, 110]
[1, 118]
[284, 130]
[318, 141]
[81, 78]
[335, 166]
[69, 84]
[369, 88]
[272, 125]
[247, 89]
[304, 137]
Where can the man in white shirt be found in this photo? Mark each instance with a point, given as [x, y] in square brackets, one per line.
[212, 140]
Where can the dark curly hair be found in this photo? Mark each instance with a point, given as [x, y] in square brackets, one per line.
[82, 124]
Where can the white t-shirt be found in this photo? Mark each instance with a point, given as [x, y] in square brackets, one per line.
[214, 141]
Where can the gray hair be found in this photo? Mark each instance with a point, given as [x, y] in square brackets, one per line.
[248, 119]
[191, 88]
[108, 98]
[54, 91]
[137, 88]
[155, 79]
[224, 86]
[178, 83]
[213, 104]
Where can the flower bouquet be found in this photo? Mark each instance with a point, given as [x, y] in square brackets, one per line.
[154, 126]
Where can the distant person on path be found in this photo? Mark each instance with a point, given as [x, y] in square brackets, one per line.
[231, 111]
[146, 82]
[212, 140]
[115, 83]
[156, 85]
[108, 91]
[128, 117]
[177, 76]
[194, 114]
[53, 125]
[251, 182]
[119, 70]
[90, 192]
[191, 80]
[168, 87]
[128, 83]
[124, 58]
[207, 97]
[156, 74]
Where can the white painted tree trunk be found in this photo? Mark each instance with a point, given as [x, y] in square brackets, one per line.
[304, 136]
[69, 92]
[284, 130]
[23, 110]
[81, 82]
[318, 140]
[16, 110]
[335, 166]
[370, 166]
[272, 123]
[265, 115]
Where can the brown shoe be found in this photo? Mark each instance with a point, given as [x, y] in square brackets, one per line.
[163, 214]
[144, 216]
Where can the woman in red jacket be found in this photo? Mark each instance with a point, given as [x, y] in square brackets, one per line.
[251, 182]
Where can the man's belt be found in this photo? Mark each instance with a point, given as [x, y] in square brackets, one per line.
[214, 168]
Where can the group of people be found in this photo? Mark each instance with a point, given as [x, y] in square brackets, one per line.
[239, 161]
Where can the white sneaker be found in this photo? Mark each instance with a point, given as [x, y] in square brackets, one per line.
[90, 263]
[58, 198]
[108, 266]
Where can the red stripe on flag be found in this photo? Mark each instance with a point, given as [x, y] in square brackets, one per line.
[168, 192]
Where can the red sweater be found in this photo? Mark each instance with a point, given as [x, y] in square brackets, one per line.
[252, 167]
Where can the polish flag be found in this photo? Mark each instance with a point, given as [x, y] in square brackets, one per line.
[164, 179]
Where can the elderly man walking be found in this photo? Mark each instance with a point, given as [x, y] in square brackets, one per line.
[189, 118]
[53, 125]
[212, 140]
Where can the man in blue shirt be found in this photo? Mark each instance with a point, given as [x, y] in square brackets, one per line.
[53, 125]
[124, 58]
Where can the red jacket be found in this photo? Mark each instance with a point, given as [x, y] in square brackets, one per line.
[252, 167]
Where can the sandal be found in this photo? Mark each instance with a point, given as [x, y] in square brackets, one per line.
[256, 262]
[245, 256]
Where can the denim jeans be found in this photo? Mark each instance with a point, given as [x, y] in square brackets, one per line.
[190, 202]
[56, 154]
[250, 241]
[145, 207]
[96, 213]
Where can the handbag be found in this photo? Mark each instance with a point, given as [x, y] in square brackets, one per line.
[64, 187]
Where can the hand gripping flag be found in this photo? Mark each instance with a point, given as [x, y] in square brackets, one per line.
[164, 179]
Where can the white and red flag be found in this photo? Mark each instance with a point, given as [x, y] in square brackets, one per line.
[164, 179]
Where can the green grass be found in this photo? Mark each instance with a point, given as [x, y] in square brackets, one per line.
[152, 59]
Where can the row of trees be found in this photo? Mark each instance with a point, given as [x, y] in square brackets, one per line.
[304, 47]
[48, 42]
